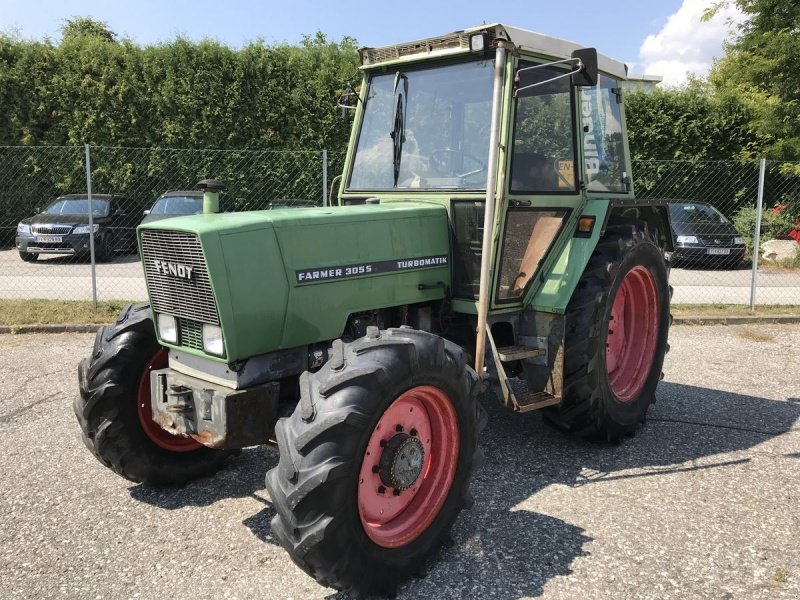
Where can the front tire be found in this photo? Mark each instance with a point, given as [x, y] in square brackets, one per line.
[28, 256]
[616, 336]
[366, 489]
[113, 408]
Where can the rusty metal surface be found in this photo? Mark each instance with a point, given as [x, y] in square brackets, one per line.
[214, 415]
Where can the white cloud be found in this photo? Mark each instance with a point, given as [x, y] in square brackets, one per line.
[686, 44]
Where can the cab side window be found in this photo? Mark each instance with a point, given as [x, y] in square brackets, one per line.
[603, 147]
[543, 155]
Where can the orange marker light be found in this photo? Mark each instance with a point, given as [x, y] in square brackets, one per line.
[586, 224]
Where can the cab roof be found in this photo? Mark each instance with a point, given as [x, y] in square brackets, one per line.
[457, 42]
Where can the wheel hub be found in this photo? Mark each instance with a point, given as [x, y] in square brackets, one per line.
[401, 461]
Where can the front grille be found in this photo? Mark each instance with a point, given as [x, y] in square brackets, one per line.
[190, 334]
[716, 240]
[187, 298]
[50, 229]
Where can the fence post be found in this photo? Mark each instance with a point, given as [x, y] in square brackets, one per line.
[91, 224]
[324, 177]
[757, 234]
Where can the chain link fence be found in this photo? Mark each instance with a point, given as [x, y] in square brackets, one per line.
[736, 227]
[729, 248]
[45, 236]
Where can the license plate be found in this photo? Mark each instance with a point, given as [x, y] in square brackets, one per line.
[723, 251]
[49, 239]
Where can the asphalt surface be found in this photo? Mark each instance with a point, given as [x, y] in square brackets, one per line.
[59, 277]
[702, 503]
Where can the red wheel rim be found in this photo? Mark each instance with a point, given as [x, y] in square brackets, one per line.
[160, 437]
[393, 520]
[632, 334]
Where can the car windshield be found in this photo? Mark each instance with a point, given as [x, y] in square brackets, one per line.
[696, 213]
[178, 205]
[77, 206]
[425, 128]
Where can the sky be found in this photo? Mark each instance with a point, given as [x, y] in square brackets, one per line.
[656, 37]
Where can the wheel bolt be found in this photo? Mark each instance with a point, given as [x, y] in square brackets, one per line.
[396, 492]
[375, 468]
[383, 443]
[398, 428]
[381, 489]
[413, 432]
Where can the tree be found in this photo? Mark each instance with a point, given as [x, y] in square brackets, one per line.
[690, 123]
[760, 66]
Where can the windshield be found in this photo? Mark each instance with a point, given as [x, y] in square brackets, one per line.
[77, 206]
[430, 131]
[696, 213]
[178, 205]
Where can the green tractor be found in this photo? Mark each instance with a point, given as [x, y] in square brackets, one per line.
[486, 237]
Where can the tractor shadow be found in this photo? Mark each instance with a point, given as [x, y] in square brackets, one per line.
[243, 477]
[506, 551]
[500, 548]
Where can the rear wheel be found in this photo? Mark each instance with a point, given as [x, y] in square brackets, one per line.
[616, 336]
[114, 410]
[375, 462]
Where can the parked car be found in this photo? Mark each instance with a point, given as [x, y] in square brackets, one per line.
[173, 204]
[704, 236]
[63, 227]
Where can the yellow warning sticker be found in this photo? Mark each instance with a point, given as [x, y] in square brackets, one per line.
[566, 174]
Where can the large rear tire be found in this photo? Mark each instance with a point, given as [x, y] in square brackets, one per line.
[616, 336]
[114, 412]
[375, 461]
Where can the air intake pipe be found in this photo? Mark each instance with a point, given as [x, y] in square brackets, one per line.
[211, 189]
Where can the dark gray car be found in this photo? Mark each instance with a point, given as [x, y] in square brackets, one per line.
[175, 204]
[704, 237]
[63, 227]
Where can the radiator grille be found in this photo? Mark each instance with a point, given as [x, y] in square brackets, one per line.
[51, 229]
[190, 334]
[186, 298]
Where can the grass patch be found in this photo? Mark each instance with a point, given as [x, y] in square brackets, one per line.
[14, 313]
[733, 310]
[57, 312]
[754, 335]
[778, 579]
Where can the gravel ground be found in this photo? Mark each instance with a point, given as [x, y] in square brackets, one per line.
[703, 503]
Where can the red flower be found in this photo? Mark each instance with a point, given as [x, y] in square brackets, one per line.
[778, 208]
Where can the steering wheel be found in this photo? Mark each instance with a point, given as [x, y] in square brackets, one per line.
[449, 163]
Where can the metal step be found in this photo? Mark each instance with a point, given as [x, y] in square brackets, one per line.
[527, 400]
[509, 353]
[514, 391]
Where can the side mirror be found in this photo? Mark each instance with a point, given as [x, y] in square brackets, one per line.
[348, 100]
[587, 76]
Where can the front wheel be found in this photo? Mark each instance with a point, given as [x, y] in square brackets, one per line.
[28, 256]
[376, 460]
[616, 336]
[114, 409]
